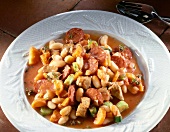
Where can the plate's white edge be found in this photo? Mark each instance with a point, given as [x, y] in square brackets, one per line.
[151, 33]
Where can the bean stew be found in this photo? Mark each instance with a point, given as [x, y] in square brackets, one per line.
[83, 81]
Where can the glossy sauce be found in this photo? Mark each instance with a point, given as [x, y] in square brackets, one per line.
[131, 99]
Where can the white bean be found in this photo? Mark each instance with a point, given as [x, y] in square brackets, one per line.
[104, 40]
[73, 114]
[133, 90]
[110, 73]
[54, 45]
[80, 62]
[113, 66]
[96, 81]
[55, 52]
[57, 100]
[124, 89]
[63, 120]
[65, 111]
[51, 105]
[79, 94]
[69, 59]
[59, 63]
[105, 81]
[64, 52]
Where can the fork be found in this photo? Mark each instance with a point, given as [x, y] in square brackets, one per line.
[138, 11]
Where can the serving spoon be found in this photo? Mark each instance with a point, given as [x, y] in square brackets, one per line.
[142, 13]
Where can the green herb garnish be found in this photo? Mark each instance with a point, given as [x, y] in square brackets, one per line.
[91, 42]
[135, 81]
[122, 77]
[121, 47]
[29, 92]
[45, 48]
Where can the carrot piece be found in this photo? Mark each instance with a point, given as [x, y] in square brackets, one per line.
[116, 76]
[34, 56]
[130, 76]
[114, 110]
[109, 115]
[55, 116]
[66, 101]
[141, 87]
[101, 115]
[38, 103]
[58, 87]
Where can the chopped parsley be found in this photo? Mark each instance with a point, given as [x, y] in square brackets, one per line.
[55, 75]
[45, 48]
[121, 47]
[91, 42]
[70, 36]
[49, 78]
[122, 77]
[29, 92]
[135, 81]
[110, 50]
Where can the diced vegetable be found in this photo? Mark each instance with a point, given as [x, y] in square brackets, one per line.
[116, 76]
[34, 56]
[118, 119]
[108, 103]
[55, 116]
[75, 66]
[93, 111]
[45, 111]
[122, 105]
[58, 86]
[122, 77]
[101, 115]
[69, 79]
[66, 101]
[45, 58]
[130, 76]
[92, 43]
[78, 51]
[141, 87]
[77, 74]
[39, 102]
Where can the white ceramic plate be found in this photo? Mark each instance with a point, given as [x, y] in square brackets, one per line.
[147, 114]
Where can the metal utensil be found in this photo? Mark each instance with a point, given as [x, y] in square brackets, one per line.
[141, 12]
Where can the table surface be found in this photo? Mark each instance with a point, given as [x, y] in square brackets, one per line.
[16, 16]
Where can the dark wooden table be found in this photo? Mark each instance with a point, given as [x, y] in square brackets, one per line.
[16, 16]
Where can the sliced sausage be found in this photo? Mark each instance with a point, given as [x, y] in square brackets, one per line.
[74, 35]
[99, 54]
[127, 53]
[71, 94]
[94, 94]
[43, 85]
[93, 65]
[66, 72]
[86, 58]
[119, 60]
